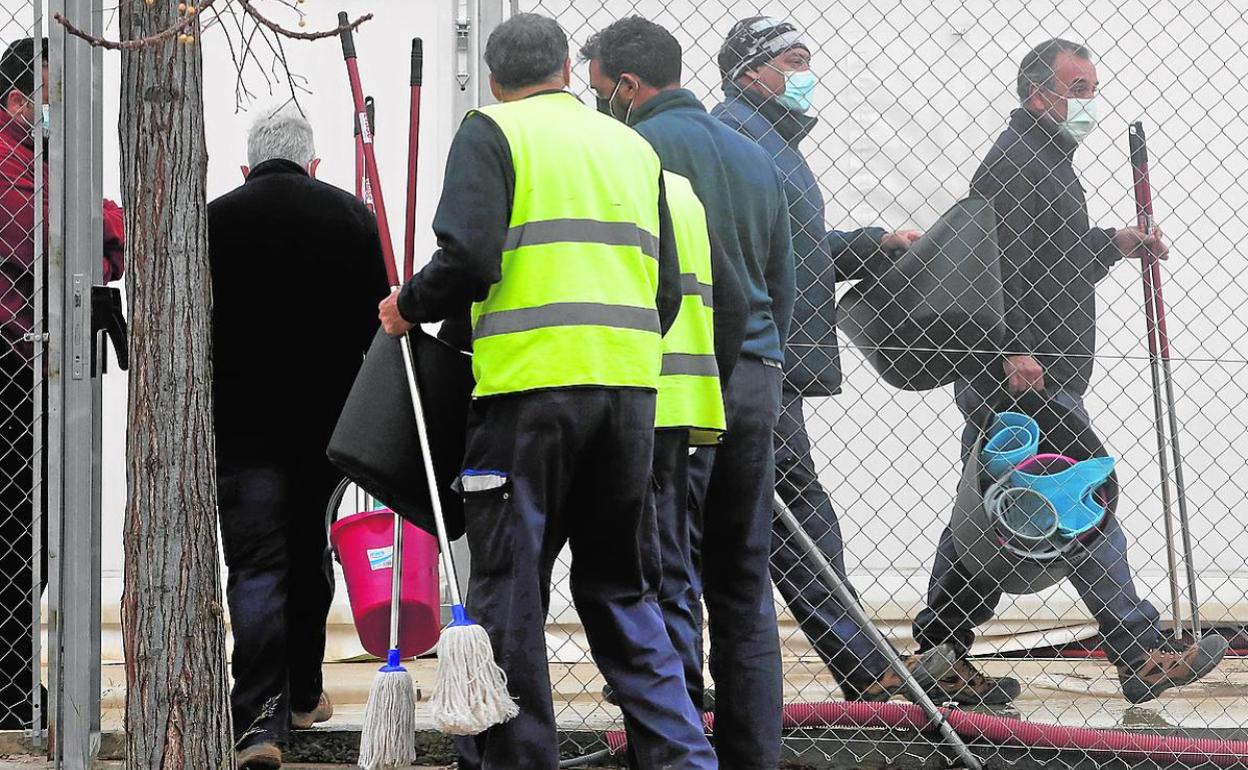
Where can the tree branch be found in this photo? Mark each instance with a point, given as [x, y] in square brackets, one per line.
[294, 35]
[128, 45]
[189, 21]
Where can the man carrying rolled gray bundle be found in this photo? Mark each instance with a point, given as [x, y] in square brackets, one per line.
[1051, 260]
[767, 87]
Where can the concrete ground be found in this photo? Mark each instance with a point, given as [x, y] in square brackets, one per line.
[1069, 692]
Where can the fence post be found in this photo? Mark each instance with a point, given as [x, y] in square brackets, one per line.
[76, 236]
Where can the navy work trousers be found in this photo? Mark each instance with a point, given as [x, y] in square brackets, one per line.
[578, 465]
[280, 585]
[838, 639]
[1129, 625]
[734, 487]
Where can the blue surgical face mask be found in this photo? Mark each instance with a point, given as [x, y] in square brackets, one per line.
[799, 88]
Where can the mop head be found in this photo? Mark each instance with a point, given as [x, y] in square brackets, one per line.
[388, 736]
[470, 692]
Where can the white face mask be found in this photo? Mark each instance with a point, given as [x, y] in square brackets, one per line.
[1080, 118]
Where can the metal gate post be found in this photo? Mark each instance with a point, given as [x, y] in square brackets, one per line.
[77, 191]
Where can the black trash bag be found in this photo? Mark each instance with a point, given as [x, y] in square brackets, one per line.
[936, 314]
[375, 443]
[1062, 431]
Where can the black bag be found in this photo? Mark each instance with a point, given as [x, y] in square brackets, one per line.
[935, 315]
[375, 443]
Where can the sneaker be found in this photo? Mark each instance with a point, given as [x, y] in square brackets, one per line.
[323, 712]
[1160, 670]
[259, 756]
[966, 685]
[927, 669]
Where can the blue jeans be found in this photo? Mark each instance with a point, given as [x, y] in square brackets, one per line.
[839, 640]
[733, 489]
[956, 604]
[578, 464]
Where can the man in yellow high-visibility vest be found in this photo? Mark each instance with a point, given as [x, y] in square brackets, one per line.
[553, 228]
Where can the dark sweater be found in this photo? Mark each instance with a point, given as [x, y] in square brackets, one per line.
[745, 208]
[1051, 259]
[822, 257]
[297, 274]
[471, 226]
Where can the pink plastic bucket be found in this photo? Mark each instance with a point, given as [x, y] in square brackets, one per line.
[365, 547]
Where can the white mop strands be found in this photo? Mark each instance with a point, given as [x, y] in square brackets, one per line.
[470, 692]
[388, 736]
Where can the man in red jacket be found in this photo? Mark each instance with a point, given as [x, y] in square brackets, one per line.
[21, 121]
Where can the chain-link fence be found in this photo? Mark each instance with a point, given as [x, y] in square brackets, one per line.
[23, 401]
[911, 98]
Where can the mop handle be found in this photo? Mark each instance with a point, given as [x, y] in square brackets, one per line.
[366, 139]
[435, 499]
[413, 159]
[833, 582]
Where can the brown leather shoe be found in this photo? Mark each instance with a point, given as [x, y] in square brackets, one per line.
[323, 712]
[1161, 670]
[968, 686]
[927, 668]
[259, 756]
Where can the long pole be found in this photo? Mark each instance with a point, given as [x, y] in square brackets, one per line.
[1159, 352]
[832, 580]
[413, 158]
[1144, 217]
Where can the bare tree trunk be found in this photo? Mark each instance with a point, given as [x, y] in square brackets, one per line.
[177, 715]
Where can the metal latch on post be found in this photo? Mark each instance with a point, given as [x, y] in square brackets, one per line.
[463, 25]
[78, 316]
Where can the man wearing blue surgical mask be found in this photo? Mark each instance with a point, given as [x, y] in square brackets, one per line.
[770, 91]
[1051, 261]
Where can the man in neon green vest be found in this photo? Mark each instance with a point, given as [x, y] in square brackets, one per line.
[553, 228]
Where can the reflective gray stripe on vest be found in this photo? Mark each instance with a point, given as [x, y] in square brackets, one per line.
[689, 363]
[566, 314]
[690, 286]
[582, 231]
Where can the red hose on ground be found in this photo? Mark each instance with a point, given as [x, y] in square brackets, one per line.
[1003, 731]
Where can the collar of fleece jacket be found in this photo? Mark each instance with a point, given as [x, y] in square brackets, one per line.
[1043, 134]
[746, 104]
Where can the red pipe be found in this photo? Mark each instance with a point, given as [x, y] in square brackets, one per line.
[1002, 731]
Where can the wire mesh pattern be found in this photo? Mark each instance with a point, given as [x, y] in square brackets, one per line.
[23, 233]
[911, 98]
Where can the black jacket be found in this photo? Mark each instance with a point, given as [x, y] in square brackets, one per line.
[471, 226]
[1051, 259]
[297, 274]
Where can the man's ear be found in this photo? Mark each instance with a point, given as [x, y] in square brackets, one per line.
[246, 170]
[495, 89]
[312, 166]
[567, 72]
[14, 102]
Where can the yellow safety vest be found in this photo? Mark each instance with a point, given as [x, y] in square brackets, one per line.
[576, 302]
[689, 389]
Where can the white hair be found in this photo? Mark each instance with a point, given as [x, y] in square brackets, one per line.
[281, 133]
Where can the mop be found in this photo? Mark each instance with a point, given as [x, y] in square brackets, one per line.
[1159, 356]
[832, 581]
[470, 690]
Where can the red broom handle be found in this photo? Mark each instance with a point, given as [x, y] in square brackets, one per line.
[366, 139]
[413, 158]
[1144, 217]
